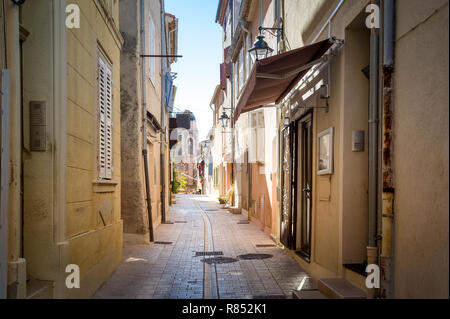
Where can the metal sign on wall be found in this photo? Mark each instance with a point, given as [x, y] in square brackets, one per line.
[38, 126]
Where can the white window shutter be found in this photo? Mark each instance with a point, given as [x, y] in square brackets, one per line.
[109, 124]
[151, 49]
[105, 120]
[253, 138]
[261, 149]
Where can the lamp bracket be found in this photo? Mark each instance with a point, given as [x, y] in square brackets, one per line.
[270, 29]
[327, 107]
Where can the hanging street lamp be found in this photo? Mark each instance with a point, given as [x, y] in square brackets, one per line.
[261, 49]
[224, 119]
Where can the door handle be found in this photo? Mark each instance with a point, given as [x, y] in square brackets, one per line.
[307, 190]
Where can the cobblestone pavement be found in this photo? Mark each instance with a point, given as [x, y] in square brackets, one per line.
[172, 269]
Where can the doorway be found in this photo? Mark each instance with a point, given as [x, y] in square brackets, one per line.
[286, 220]
[304, 191]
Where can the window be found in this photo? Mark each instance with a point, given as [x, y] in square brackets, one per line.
[151, 49]
[236, 79]
[191, 147]
[216, 176]
[277, 11]
[241, 69]
[249, 56]
[109, 5]
[105, 119]
[257, 137]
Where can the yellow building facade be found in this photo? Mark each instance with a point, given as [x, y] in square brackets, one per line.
[64, 203]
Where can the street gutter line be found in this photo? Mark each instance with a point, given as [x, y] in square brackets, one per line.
[210, 280]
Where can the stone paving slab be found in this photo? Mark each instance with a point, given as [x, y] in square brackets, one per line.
[173, 272]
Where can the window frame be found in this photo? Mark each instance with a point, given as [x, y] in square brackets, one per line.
[241, 70]
[151, 47]
[105, 119]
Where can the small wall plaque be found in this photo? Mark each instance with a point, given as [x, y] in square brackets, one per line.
[358, 138]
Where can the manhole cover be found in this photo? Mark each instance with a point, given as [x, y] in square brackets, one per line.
[266, 245]
[254, 256]
[219, 260]
[208, 253]
[163, 243]
[243, 222]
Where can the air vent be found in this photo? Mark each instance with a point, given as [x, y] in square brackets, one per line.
[265, 245]
[180, 222]
[243, 222]
[163, 243]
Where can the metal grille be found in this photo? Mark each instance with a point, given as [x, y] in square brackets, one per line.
[163, 243]
[254, 256]
[180, 222]
[208, 253]
[219, 260]
[243, 222]
[266, 245]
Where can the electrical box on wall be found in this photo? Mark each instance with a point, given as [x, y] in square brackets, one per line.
[358, 138]
[38, 126]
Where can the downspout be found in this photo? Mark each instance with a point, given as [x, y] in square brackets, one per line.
[144, 124]
[387, 220]
[232, 116]
[4, 161]
[4, 178]
[163, 116]
[372, 250]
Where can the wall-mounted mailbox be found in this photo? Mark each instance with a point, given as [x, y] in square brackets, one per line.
[358, 138]
[38, 126]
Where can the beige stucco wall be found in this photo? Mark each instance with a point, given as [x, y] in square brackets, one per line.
[62, 214]
[421, 153]
[17, 265]
[339, 209]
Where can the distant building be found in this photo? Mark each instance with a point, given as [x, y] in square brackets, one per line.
[184, 153]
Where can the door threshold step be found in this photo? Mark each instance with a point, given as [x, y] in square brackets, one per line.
[338, 288]
[234, 210]
[39, 289]
[308, 294]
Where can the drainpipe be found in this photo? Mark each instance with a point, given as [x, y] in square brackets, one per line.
[233, 93]
[387, 219]
[163, 116]
[4, 178]
[372, 250]
[144, 123]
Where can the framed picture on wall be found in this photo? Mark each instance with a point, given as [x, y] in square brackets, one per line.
[325, 152]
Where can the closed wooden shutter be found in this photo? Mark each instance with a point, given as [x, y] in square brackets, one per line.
[105, 120]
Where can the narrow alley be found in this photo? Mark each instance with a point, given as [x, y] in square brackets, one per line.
[206, 253]
[210, 150]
